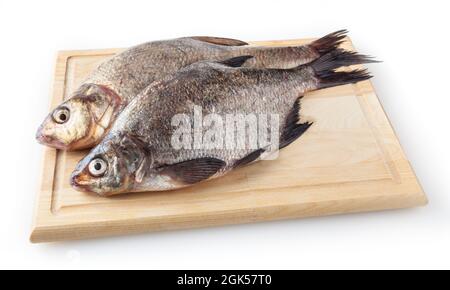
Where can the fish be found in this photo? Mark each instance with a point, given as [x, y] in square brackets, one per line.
[141, 153]
[81, 121]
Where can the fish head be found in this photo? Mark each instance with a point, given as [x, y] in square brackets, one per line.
[81, 121]
[112, 167]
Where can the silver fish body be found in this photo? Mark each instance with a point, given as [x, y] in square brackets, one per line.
[134, 69]
[138, 154]
[87, 115]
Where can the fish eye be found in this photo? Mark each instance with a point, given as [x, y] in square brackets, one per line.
[97, 167]
[61, 115]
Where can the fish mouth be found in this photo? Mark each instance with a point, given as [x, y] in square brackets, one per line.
[79, 182]
[50, 141]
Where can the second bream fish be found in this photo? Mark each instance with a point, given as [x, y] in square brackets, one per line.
[87, 115]
[157, 144]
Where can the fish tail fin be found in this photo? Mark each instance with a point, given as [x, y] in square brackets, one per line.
[325, 68]
[333, 79]
[329, 42]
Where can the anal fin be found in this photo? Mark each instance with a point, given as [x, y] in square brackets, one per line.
[249, 158]
[292, 129]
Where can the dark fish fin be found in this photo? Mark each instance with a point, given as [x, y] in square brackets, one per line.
[193, 171]
[292, 129]
[249, 158]
[339, 58]
[333, 79]
[324, 68]
[220, 40]
[236, 61]
[329, 42]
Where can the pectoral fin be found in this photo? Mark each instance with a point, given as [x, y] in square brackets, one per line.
[193, 171]
[141, 171]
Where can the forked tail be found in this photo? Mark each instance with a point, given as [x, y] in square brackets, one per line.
[329, 42]
[325, 68]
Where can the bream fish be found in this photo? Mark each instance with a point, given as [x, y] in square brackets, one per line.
[86, 116]
[138, 154]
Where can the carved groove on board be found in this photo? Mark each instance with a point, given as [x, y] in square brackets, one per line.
[390, 165]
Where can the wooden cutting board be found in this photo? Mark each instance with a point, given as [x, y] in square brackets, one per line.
[350, 160]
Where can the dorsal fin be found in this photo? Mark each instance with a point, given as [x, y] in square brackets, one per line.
[220, 40]
[193, 171]
[292, 130]
[236, 61]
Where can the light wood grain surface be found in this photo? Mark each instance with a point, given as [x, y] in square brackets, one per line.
[350, 160]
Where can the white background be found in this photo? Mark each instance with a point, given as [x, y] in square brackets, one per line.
[412, 39]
